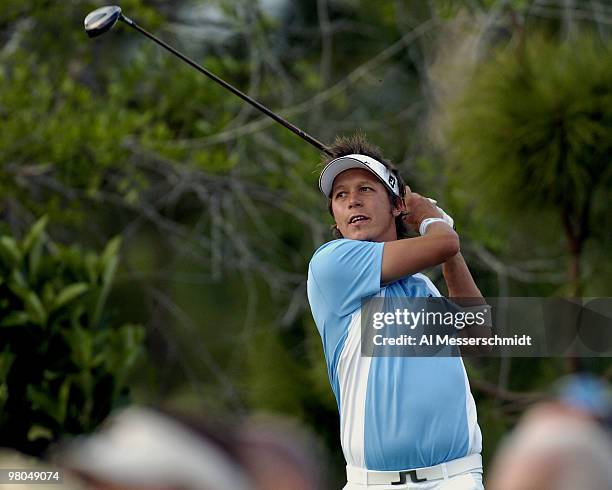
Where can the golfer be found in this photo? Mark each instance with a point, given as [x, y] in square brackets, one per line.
[406, 422]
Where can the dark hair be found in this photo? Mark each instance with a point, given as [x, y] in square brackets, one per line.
[359, 144]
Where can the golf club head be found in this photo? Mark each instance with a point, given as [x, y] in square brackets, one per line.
[101, 20]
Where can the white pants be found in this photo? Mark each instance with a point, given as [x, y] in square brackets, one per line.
[471, 480]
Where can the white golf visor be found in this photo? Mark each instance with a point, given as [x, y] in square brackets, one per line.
[340, 164]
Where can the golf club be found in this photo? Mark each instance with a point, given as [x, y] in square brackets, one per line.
[101, 20]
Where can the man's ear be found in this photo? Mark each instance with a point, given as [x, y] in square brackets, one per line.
[399, 207]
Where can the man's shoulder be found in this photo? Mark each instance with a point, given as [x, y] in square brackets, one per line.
[339, 245]
[344, 261]
[328, 247]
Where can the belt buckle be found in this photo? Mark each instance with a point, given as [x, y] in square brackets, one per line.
[413, 477]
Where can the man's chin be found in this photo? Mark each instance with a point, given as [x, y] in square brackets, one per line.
[362, 235]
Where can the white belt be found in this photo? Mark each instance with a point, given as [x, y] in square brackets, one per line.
[437, 472]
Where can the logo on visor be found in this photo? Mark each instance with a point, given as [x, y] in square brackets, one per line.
[391, 181]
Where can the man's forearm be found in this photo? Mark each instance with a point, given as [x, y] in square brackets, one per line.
[458, 278]
[460, 284]
[407, 256]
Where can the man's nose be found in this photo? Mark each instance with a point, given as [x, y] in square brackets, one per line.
[354, 200]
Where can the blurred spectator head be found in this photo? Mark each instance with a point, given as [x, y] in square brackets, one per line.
[588, 395]
[560, 444]
[282, 455]
[140, 448]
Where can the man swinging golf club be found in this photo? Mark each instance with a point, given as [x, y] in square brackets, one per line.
[406, 422]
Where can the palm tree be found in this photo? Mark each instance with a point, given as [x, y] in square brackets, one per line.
[533, 131]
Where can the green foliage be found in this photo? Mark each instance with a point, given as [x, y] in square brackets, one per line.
[448, 9]
[276, 380]
[48, 27]
[57, 128]
[219, 204]
[534, 128]
[532, 133]
[63, 359]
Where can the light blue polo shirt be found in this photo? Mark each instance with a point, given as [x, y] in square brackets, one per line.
[396, 413]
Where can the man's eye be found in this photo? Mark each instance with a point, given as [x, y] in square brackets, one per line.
[365, 188]
[340, 194]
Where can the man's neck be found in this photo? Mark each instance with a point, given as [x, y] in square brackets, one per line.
[388, 236]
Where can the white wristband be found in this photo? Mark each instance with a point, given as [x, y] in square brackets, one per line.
[428, 221]
[444, 214]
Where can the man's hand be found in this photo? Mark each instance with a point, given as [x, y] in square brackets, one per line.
[445, 216]
[405, 257]
[418, 208]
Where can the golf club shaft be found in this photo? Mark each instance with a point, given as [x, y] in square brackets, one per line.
[313, 141]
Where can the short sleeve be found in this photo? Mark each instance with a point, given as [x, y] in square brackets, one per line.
[345, 271]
